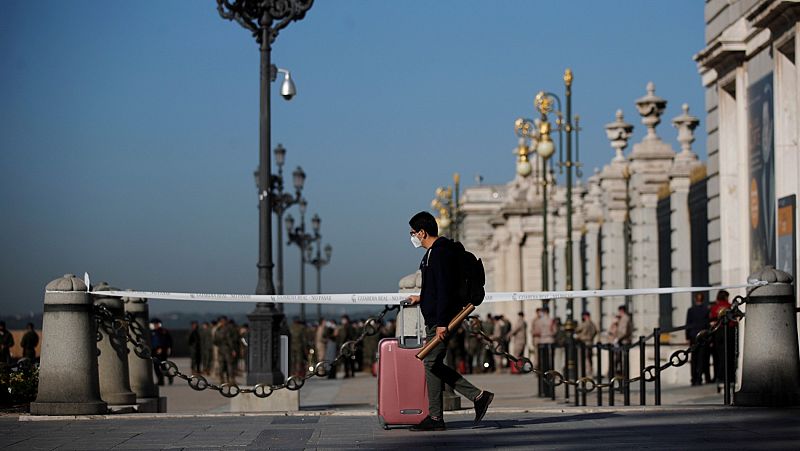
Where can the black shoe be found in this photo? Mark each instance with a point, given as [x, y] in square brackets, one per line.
[429, 424]
[482, 405]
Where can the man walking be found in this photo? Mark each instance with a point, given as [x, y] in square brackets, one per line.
[439, 306]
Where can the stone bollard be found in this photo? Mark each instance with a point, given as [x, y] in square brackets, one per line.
[68, 380]
[771, 367]
[141, 369]
[112, 362]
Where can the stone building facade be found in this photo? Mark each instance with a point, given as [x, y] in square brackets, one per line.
[615, 226]
[657, 216]
[749, 69]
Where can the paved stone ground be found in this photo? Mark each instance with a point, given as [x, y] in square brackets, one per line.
[340, 414]
[622, 428]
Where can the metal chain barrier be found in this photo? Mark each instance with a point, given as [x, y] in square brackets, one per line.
[139, 337]
[587, 384]
[136, 335]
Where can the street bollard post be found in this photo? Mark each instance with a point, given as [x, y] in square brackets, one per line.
[112, 360]
[68, 379]
[770, 367]
[141, 369]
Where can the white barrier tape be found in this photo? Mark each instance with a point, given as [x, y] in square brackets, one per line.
[396, 298]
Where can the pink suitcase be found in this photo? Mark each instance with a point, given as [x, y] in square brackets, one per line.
[402, 391]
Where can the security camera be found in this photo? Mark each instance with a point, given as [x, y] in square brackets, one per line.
[287, 87]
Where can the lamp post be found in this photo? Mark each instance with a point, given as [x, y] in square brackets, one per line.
[265, 18]
[281, 201]
[619, 132]
[299, 237]
[319, 261]
[544, 103]
[538, 132]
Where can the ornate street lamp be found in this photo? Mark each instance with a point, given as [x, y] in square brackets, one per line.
[299, 237]
[281, 201]
[265, 18]
[538, 133]
[318, 261]
[544, 103]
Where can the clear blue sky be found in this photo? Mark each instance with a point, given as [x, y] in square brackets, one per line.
[129, 132]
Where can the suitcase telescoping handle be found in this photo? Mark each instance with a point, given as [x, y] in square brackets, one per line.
[419, 333]
[454, 324]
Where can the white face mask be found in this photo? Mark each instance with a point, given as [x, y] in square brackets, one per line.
[415, 241]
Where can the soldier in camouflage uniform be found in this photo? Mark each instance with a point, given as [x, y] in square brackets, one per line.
[226, 339]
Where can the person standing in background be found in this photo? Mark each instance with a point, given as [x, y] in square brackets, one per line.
[519, 335]
[195, 348]
[161, 344]
[227, 343]
[697, 320]
[586, 332]
[206, 348]
[29, 342]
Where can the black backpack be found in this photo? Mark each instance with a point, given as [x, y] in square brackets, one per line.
[471, 276]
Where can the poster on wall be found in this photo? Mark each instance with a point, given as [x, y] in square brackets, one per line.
[787, 236]
[762, 173]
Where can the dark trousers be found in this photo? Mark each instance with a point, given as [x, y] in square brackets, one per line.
[196, 360]
[161, 356]
[437, 374]
[700, 363]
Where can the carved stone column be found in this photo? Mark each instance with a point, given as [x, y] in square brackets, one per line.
[613, 197]
[681, 238]
[650, 163]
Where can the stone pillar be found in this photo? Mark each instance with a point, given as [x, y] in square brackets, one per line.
[770, 368]
[681, 231]
[594, 219]
[650, 163]
[140, 369]
[514, 262]
[68, 380]
[500, 243]
[112, 361]
[614, 198]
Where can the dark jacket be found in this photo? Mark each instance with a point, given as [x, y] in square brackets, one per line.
[696, 320]
[437, 296]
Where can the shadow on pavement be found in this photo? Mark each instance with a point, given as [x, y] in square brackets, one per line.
[515, 423]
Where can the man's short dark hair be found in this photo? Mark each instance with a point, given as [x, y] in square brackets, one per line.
[424, 221]
[623, 308]
[722, 295]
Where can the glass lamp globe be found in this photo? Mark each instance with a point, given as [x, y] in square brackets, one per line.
[545, 148]
[524, 168]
